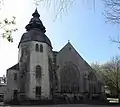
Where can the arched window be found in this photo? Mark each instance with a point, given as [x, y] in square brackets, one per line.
[15, 76]
[94, 88]
[41, 48]
[92, 76]
[37, 48]
[64, 89]
[38, 72]
[67, 89]
[78, 89]
[70, 75]
[70, 89]
[61, 88]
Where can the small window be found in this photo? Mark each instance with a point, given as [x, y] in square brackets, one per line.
[1, 97]
[61, 88]
[77, 89]
[70, 48]
[15, 76]
[41, 48]
[15, 93]
[37, 48]
[38, 71]
[72, 89]
[38, 91]
[64, 89]
[94, 88]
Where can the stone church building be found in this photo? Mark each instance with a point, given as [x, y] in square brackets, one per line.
[42, 74]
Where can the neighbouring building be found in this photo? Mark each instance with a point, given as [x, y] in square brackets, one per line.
[42, 73]
[2, 88]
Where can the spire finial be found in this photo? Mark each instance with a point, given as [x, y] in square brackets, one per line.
[35, 22]
[36, 14]
[68, 40]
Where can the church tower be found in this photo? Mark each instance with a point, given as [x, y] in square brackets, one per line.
[35, 49]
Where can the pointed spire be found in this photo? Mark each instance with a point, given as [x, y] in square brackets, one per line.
[35, 22]
[36, 14]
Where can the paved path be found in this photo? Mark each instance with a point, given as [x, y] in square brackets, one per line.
[69, 105]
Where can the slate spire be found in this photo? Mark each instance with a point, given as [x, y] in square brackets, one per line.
[35, 22]
[36, 14]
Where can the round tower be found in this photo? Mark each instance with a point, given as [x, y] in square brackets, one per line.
[35, 49]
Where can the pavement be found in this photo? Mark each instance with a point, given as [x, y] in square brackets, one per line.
[68, 105]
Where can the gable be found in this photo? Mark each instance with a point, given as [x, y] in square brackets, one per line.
[15, 67]
[69, 54]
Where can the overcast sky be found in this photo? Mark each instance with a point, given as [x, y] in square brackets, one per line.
[85, 28]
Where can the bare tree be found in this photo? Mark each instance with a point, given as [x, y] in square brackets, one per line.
[112, 11]
[112, 14]
[59, 7]
[110, 73]
[6, 29]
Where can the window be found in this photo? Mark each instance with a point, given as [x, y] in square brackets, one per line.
[41, 48]
[67, 89]
[94, 89]
[38, 91]
[72, 89]
[70, 75]
[38, 71]
[78, 89]
[1, 97]
[15, 93]
[15, 76]
[69, 48]
[64, 89]
[37, 48]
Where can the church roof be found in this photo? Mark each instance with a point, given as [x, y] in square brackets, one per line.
[83, 65]
[15, 67]
[35, 35]
[35, 22]
[35, 31]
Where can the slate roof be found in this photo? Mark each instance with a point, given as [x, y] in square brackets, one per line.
[35, 35]
[15, 67]
[35, 31]
[99, 78]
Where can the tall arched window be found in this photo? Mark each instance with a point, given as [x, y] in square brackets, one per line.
[41, 48]
[78, 89]
[61, 88]
[70, 75]
[38, 72]
[92, 76]
[37, 48]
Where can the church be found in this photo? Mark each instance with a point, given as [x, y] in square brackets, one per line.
[44, 74]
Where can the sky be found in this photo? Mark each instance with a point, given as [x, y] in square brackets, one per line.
[83, 26]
